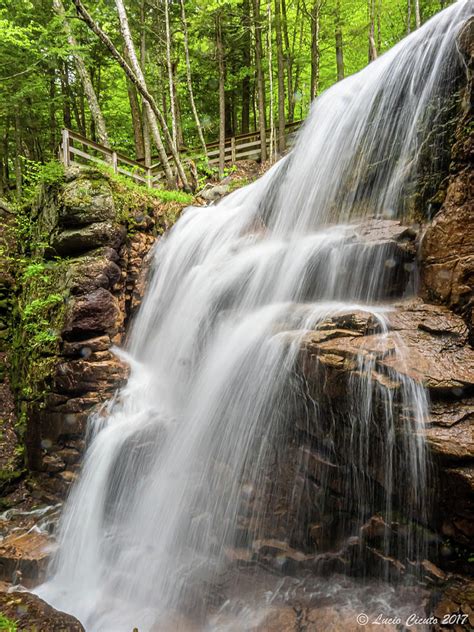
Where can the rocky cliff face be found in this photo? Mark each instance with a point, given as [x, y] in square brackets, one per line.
[85, 279]
[82, 281]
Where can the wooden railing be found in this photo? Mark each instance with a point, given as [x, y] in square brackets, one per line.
[76, 148]
[248, 146]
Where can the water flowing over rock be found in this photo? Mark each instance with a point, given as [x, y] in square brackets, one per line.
[271, 447]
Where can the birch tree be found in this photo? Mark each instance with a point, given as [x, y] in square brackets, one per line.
[189, 81]
[135, 74]
[94, 107]
[281, 77]
[260, 79]
[221, 70]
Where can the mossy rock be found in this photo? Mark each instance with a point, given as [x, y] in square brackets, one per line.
[84, 201]
[78, 240]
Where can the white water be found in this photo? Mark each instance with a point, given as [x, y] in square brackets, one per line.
[144, 532]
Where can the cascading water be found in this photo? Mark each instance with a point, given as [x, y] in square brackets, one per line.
[213, 387]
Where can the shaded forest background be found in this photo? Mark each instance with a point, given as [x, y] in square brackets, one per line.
[137, 74]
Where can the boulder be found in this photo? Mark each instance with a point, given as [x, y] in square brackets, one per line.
[213, 193]
[78, 240]
[432, 350]
[94, 313]
[90, 273]
[24, 558]
[84, 201]
[78, 377]
[32, 613]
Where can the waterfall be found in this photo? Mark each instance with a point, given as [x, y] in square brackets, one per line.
[195, 435]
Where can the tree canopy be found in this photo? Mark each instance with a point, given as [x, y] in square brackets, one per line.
[211, 67]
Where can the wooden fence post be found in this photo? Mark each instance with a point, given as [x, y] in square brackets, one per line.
[65, 148]
[232, 150]
[114, 161]
[148, 177]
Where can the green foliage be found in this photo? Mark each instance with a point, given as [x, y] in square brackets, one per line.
[138, 194]
[37, 174]
[35, 270]
[43, 91]
[36, 322]
[7, 625]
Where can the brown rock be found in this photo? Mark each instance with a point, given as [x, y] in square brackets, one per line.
[79, 377]
[96, 312]
[26, 554]
[455, 442]
[78, 240]
[447, 253]
[53, 463]
[84, 348]
[32, 613]
[89, 273]
[385, 230]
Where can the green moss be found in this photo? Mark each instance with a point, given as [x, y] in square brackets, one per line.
[7, 625]
[133, 200]
[37, 174]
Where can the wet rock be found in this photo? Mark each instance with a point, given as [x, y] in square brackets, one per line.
[314, 619]
[32, 613]
[435, 353]
[213, 193]
[80, 376]
[69, 456]
[384, 230]
[82, 239]
[53, 463]
[455, 511]
[84, 348]
[24, 557]
[55, 426]
[432, 573]
[91, 314]
[455, 442]
[453, 605]
[90, 273]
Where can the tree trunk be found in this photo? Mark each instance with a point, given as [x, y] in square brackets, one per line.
[315, 54]
[246, 61]
[5, 153]
[146, 127]
[177, 107]
[136, 76]
[288, 61]
[66, 91]
[190, 82]
[408, 16]
[372, 47]
[262, 124]
[52, 112]
[136, 120]
[281, 78]
[298, 66]
[169, 67]
[379, 28]
[96, 112]
[417, 14]
[18, 175]
[221, 67]
[339, 42]
[270, 75]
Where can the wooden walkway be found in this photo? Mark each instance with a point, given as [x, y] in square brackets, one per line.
[77, 149]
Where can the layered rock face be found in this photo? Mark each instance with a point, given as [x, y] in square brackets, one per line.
[91, 244]
[447, 249]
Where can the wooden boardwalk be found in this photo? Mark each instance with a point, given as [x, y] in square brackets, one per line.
[77, 149]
